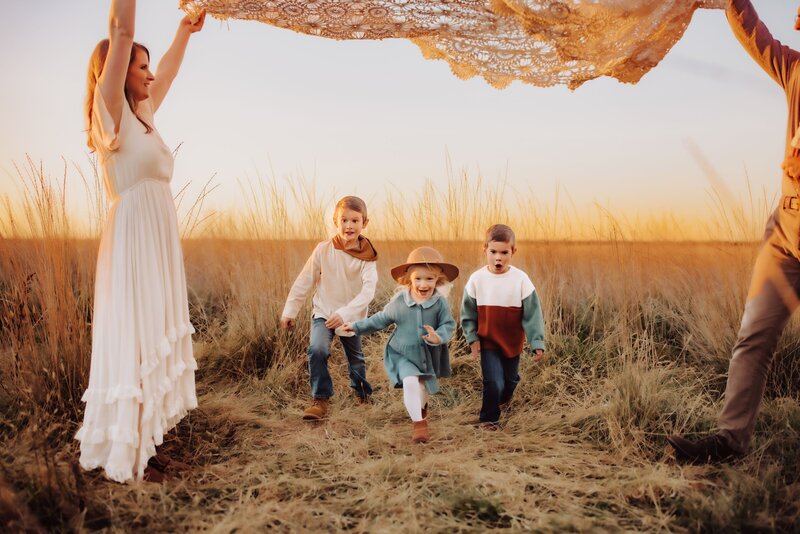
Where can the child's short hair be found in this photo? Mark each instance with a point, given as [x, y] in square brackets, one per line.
[500, 233]
[351, 203]
[405, 278]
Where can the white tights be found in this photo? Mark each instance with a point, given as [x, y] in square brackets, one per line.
[415, 396]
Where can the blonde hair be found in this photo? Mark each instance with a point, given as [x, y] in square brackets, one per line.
[404, 280]
[351, 203]
[500, 233]
[96, 65]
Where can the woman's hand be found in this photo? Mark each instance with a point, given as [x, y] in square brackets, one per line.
[287, 323]
[431, 337]
[348, 327]
[193, 24]
[538, 355]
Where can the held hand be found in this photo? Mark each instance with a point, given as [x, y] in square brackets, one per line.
[431, 336]
[335, 321]
[791, 166]
[538, 355]
[348, 327]
[287, 323]
[475, 350]
[193, 24]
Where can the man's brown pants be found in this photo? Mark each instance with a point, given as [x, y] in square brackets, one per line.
[770, 302]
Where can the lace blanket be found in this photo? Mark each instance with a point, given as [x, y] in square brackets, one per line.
[540, 42]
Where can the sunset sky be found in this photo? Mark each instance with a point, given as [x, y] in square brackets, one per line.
[367, 117]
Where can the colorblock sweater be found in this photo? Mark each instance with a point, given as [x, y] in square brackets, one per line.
[344, 284]
[501, 310]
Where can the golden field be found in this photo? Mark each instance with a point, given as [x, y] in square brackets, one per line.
[639, 335]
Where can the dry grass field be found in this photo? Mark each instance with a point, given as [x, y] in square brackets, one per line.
[639, 335]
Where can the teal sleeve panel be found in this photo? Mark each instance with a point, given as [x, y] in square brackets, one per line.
[469, 317]
[533, 321]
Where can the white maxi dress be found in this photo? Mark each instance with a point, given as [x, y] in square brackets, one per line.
[141, 381]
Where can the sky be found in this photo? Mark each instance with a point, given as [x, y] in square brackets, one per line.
[366, 117]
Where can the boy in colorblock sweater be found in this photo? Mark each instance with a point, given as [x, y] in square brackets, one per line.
[499, 310]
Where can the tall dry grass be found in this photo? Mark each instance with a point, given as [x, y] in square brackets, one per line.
[639, 335]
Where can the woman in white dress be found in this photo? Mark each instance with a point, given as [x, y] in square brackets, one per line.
[141, 381]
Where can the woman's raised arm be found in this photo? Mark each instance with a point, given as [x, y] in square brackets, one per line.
[111, 82]
[170, 63]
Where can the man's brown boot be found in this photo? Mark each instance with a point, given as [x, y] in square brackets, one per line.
[419, 433]
[317, 411]
[711, 449]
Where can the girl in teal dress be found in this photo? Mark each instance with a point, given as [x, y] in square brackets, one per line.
[416, 353]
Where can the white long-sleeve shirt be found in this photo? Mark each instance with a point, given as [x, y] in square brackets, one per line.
[345, 285]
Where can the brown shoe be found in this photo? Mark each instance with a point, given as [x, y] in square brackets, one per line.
[489, 427]
[711, 449]
[419, 432]
[165, 464]
[317, 411]
[363, 400]
[151, 474]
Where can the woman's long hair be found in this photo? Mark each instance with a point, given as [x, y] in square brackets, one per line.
[96, 64]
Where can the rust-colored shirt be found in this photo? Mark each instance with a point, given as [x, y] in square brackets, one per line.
[781, 63]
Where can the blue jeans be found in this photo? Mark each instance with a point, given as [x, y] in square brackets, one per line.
[500, 379]
[320, 350]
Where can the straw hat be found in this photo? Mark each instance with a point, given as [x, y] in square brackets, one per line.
[426, 256]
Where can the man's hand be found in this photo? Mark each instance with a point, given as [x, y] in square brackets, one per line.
[334, 321]
[791, 166]
[287, 323]
[475, 350]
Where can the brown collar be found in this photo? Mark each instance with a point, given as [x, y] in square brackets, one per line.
[365, 250]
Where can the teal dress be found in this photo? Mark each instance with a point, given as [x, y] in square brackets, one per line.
[406, 353]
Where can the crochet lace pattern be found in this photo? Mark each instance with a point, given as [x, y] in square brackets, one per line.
[539, 42]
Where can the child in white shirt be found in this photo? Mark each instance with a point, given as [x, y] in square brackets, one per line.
[342, 274]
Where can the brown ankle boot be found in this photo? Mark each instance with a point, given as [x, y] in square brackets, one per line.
[152, 474]
[419, 432]
[317, 411]
[711, 449]
[165, 464]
